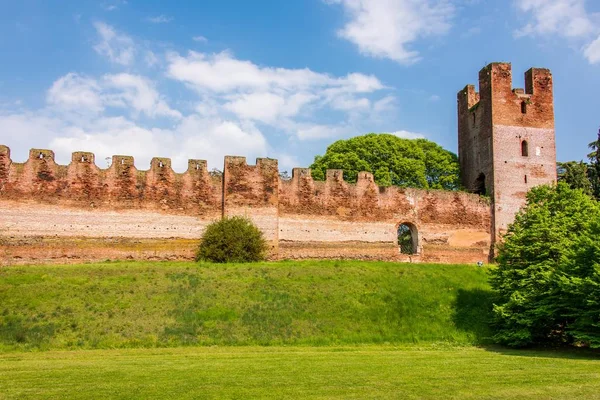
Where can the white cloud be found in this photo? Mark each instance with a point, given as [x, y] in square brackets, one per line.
[564, 17]
[270, 95]
[85, 95]
[200, 39]
[408, 135]
[137, 93]
[159, 19]
[388, 28]
[117, 47]
[76, 93]
[592, 51]
[316, 132]
[192, 137]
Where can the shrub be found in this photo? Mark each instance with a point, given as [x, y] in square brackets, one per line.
[548, 275]
[234, 239]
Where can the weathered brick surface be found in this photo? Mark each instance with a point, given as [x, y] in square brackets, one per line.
[492, 127]
[55, 212]
[80, 211]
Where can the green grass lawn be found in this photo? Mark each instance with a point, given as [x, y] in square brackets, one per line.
[311, 329]
[300, 372]
[311, 303]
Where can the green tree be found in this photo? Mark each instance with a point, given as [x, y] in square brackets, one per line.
[232, 239]
[574, 174]
[594, 168]
[548, 273]
[392, 160]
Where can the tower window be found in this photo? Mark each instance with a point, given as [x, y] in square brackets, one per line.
[525, 178]
[524, 148]
[523, 107]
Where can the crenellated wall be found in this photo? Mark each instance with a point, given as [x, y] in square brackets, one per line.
[82, 212]
[336, 219]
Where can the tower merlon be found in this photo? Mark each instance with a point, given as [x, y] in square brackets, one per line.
[335, 175]
[122, 160]
[267, 163]
[538, 81]
[301, 172]
[41, 154]
[467, 97]
[195, 166]
[158, 163]
[83, 157]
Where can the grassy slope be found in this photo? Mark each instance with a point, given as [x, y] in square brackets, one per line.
[300, 372]
[131, 304]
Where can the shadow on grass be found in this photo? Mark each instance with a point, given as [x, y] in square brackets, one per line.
[547, 352]
[473, 314]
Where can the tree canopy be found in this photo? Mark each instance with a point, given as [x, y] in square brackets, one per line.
[396, 161]
[548, 274]
[582, 175]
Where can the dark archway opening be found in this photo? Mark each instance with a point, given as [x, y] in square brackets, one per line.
[407, 238]
[480, 185]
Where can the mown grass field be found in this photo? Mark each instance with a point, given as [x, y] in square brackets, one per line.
[312, 329]
[300, 372]
[167, 304]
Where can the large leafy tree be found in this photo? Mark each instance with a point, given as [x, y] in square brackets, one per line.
[548, 274]
[392, 160]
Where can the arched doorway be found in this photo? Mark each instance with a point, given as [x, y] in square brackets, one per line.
[480, 185]
[408, 241]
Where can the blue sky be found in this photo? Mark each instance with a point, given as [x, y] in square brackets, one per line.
[281, 79]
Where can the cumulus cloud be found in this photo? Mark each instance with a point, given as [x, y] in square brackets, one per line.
[564, 18]
[389, 28]
[228, 107]
[592, 51]
[117, 47]
[200, 39]
[85, 95]
[271, 95]
[192, 137]
[138, 94]
[314, 132]
[76, 93]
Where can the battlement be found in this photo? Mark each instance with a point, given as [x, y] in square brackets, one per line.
[531, 106]
[121, 185]
[310, 218]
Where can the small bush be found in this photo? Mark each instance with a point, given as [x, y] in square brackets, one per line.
[234, 239]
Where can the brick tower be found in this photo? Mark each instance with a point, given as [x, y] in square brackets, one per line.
[506, 139]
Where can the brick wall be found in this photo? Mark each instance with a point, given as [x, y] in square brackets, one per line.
[82, 212]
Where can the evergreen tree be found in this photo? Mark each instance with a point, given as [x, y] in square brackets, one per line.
[594, 168]
[548, 274]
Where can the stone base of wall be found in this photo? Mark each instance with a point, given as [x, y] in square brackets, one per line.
[37, 249]
[338, 250]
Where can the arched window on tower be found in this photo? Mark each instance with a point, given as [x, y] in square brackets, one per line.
[524, 148]
[407, 238]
